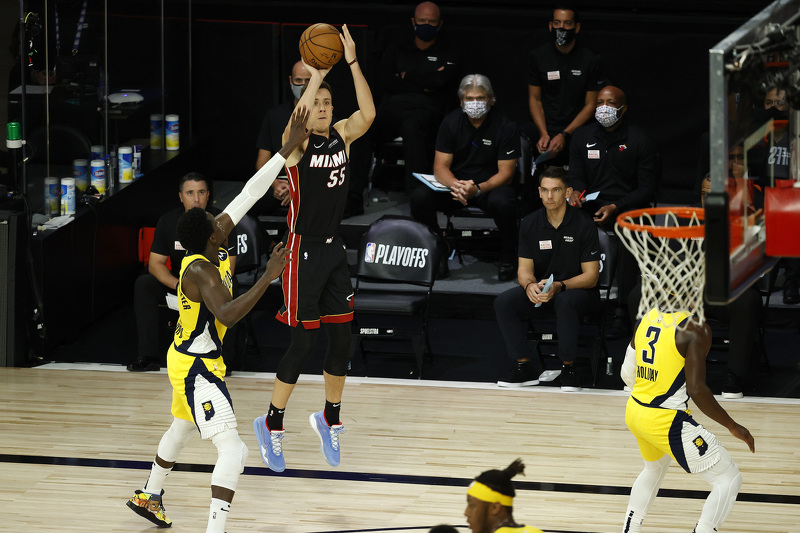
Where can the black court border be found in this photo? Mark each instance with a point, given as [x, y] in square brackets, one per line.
[392, 478]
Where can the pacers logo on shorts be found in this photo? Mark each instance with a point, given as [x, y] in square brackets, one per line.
[369, 255]
[701, 444]
[208, 409]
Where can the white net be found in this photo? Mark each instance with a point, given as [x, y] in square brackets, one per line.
[673, 267]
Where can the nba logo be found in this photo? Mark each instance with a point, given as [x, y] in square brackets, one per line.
[369, 255]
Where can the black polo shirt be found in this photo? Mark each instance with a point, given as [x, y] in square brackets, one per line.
[476, 151]
[273, 126]
[565, 79]
[165, 238]
[432, 74]
[621, 164]
[559, 251]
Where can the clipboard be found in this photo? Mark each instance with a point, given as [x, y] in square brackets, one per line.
[431, 182]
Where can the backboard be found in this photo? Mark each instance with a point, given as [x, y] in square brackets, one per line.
[754, 98]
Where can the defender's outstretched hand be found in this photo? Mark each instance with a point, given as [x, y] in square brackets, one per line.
[297, 131]
[280, 256]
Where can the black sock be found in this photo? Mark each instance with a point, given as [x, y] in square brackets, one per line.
[275, 418]
[332, 412]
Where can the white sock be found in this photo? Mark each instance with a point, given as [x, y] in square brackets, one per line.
[156, 480]
[218, 515]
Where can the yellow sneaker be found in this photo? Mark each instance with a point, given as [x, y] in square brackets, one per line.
[149, 506]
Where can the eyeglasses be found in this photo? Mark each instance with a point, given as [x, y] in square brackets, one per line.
[772, 103]
[568, 24]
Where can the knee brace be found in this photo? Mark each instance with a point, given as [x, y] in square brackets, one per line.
[302, 346]
[645, 488]
[175, 439]
[231, 456]
[337, 359]
[725, 480]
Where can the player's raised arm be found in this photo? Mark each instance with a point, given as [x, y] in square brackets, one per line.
[360, 121]
[259, 184]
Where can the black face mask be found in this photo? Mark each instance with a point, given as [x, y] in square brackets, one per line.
[564, 36]
[776, 114]
[426, 32]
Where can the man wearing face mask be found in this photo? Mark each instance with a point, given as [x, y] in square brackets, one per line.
[269, 139]
[777, 162]
[476, 155]
[563, 80]
[614, 158]
[617, 160]
[416, 77]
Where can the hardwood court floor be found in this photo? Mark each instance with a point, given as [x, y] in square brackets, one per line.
[75, 444]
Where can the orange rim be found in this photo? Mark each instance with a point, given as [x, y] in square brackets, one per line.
[678, 232]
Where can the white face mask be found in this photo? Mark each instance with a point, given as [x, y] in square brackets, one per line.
[475, 109]
[606, 115]
[297, 90]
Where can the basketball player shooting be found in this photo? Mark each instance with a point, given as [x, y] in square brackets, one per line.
[316, 282]
[664, 366]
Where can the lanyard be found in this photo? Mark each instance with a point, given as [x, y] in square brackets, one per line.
[78, 30]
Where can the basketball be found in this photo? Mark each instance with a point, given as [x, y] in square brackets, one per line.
[320, 46]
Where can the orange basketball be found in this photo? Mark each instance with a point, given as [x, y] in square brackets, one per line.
[320, 46]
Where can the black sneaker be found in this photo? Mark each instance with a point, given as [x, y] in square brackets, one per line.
[732, 389]
[791, 294]
[142, 365]
[525, 375]
[569, 379]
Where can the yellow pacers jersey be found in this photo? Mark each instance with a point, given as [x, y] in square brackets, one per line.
[198, 331]
[660, 376]
[518, 529]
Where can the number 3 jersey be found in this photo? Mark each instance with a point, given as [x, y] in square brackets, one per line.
[660, 367]
[318, 185]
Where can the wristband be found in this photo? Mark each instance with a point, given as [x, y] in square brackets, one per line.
[353, 61]
[528, 285]
[563, 286]
[564, 134]
[479, 190]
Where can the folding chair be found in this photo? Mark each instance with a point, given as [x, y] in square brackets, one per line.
[396, 271]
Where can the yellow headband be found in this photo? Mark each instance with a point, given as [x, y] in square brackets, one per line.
[482, 492]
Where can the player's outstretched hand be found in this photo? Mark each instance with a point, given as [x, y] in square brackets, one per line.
[297, 127]
[349, 44]
[280, 256]
[741, 432]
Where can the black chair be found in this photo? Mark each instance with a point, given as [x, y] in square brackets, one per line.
[249, 252]
[396, 270]
[592, 330]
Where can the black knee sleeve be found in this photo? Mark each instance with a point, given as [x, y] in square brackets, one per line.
[301, 347]
[337, 359]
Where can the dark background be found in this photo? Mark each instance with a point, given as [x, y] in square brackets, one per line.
[657, 52]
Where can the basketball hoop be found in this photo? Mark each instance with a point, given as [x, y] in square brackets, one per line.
[667, 242]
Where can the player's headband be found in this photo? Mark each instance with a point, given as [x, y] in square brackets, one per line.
[482, 492]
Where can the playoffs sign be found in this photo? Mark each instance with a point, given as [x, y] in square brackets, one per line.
[394, 255]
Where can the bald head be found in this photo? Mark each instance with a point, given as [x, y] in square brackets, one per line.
[428, 11]
[610, 95]
[300, 74]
